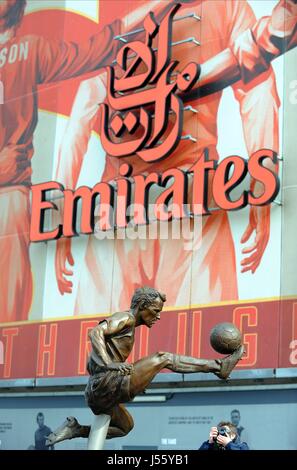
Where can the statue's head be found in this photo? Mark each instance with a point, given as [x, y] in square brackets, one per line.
[148, 303]
[11, 12]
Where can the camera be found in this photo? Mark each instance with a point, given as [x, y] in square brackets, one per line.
[221, 432]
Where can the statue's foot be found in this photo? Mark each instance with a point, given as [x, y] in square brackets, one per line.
[229, 362]
[68, 430]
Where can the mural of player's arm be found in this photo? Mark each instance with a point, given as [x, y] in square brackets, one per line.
[251, 53]
[58, 60]
[259, 103]
[270, 37]
[246, 59]
[91, 93]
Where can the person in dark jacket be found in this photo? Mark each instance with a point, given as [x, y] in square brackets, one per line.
[224, 437]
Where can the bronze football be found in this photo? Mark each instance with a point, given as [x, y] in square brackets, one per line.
[225, 338]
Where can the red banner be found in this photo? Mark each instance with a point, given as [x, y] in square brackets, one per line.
[60, 348]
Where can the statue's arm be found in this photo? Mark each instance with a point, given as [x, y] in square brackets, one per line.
[97, 338]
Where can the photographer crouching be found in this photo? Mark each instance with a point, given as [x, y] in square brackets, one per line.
[224, 437]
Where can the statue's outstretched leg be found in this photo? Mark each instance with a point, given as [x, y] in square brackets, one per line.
[220, 367]
[147, 368]
[142, 374]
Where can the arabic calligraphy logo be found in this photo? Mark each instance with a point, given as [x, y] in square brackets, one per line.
[139, 104]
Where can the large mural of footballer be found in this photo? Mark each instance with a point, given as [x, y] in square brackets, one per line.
[45, 61]
[26, 62]
[233, 47]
